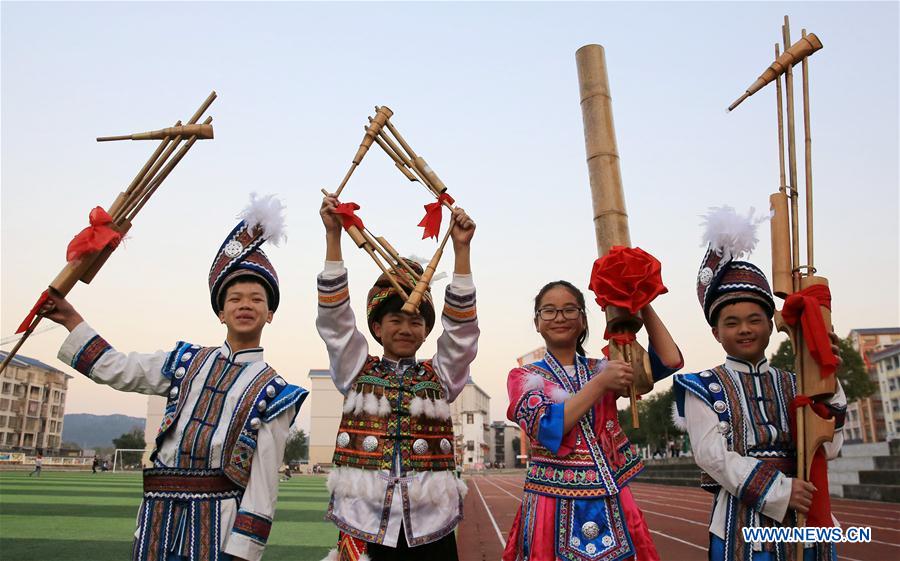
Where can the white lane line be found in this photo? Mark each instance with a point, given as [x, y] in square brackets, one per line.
[494, 522]
[700, 547]
[677, 517]
[502, 489]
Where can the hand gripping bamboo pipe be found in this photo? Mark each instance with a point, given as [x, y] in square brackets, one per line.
[382, 131]
[789, 275]
[608, 196]
[129, 202]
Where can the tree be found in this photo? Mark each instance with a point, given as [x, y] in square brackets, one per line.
[517, 451]
[656, 427]
[852, 372]
[133, 439]
[296, 447]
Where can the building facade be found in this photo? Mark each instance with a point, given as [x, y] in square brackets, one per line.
[472, 427]
[503, 448]
[326, 405]
[866, 417]
[32, 406]
[886, 364]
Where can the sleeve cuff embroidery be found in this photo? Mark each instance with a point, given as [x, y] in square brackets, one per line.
[753, 492]
[333, 291]
[254, 526]
[88, 355]
[459, 307]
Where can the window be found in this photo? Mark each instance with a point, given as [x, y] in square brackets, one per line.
[33, 408]
[2, 420]
[470, 418]
[35, 392]
[11, 439]
[28, 441]
[19, 390]
[4, 404]
[54, 411]
[7, 388]
[470, 445]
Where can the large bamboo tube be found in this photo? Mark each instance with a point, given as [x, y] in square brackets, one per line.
[781, 245]
[607, 194]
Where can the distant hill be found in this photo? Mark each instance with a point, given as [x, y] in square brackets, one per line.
[93, 431]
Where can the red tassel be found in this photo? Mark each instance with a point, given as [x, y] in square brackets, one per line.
[34, 310]
[819, 514]
[804, 307]
[95, 237]
[348, 217]
[621, 338]
[431, 222]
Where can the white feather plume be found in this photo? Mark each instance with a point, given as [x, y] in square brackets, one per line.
[350, 401]
[416, 406]
[358, 403]
[370, 404]
[731, 235]
[267, 213]
[441, 409]
[533, 381]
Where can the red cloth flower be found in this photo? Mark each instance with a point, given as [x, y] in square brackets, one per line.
[95, 237]
[433, 213]
[26, 323]
[627, 277]
[348, 217]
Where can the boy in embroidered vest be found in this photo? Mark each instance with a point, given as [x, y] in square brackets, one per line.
[737, 414]
[210, 495]
[394, 491]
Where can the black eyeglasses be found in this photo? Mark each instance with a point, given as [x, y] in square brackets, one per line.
[549, 314]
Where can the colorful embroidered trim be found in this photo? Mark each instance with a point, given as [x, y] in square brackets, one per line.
[86, 357]
[254, 526]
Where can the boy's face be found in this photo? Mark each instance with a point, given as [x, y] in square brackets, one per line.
[743, 329]
[245, 309]
[401, 334]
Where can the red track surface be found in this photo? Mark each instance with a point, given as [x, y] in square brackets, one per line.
[677, 517]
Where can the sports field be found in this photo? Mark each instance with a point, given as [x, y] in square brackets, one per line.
[66, 516]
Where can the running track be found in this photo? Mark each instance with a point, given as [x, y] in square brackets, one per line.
[677, 517]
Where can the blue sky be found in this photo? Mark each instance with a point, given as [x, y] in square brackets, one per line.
[488, 94]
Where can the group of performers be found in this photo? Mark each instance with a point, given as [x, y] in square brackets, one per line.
[395, 494]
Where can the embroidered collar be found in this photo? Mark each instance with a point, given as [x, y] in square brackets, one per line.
[747, 367]
[397, 365]
[247, 355]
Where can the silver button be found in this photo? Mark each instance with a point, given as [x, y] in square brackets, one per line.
[370, 443]
[719, 406]
[173, 393]
[254, 423]
[724, 427]
[714, 387]
[233, 248]
[261, 406]
[610, 425]
[186, 357]
[420, 446]
[590, 530]
[575, 541]
[270, 391]
[590, 548]
[179, 372]
[446, 447]
[607, 541]
[343, 440]
[705, 374]
[705, 277]
[280, 381]
[195, 346]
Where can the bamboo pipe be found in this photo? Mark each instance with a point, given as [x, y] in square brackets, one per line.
[120, 201]
[410, 168]
[9, 356]
[399, 137]
[382, 114]
[437, 186]
[396, 257]
[204, 132]
[359, 238]
[791, 56]
[781, 245]
[792, 164]
[374, 244]
[807, 142]
[779, 95]
[398, 161]
[415, 298]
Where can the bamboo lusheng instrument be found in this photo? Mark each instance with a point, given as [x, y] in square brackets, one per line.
[789, 275]
[129, 202]
[381, 131]
[608, 196]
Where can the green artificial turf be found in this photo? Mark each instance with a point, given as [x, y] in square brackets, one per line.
[64, 516]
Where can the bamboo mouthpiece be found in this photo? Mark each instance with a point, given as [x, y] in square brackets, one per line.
[798, 51]
[202, 132]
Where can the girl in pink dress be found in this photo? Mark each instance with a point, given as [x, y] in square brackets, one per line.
[576, 504]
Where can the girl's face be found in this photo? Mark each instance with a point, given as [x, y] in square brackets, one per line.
[560, 332]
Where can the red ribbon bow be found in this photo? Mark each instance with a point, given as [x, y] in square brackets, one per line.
[34, 310]
[433, 213]
[820, 510]
[348, 218]
[95, 237]
[804, 307]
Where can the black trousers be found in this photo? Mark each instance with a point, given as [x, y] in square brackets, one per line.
[442, 550]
